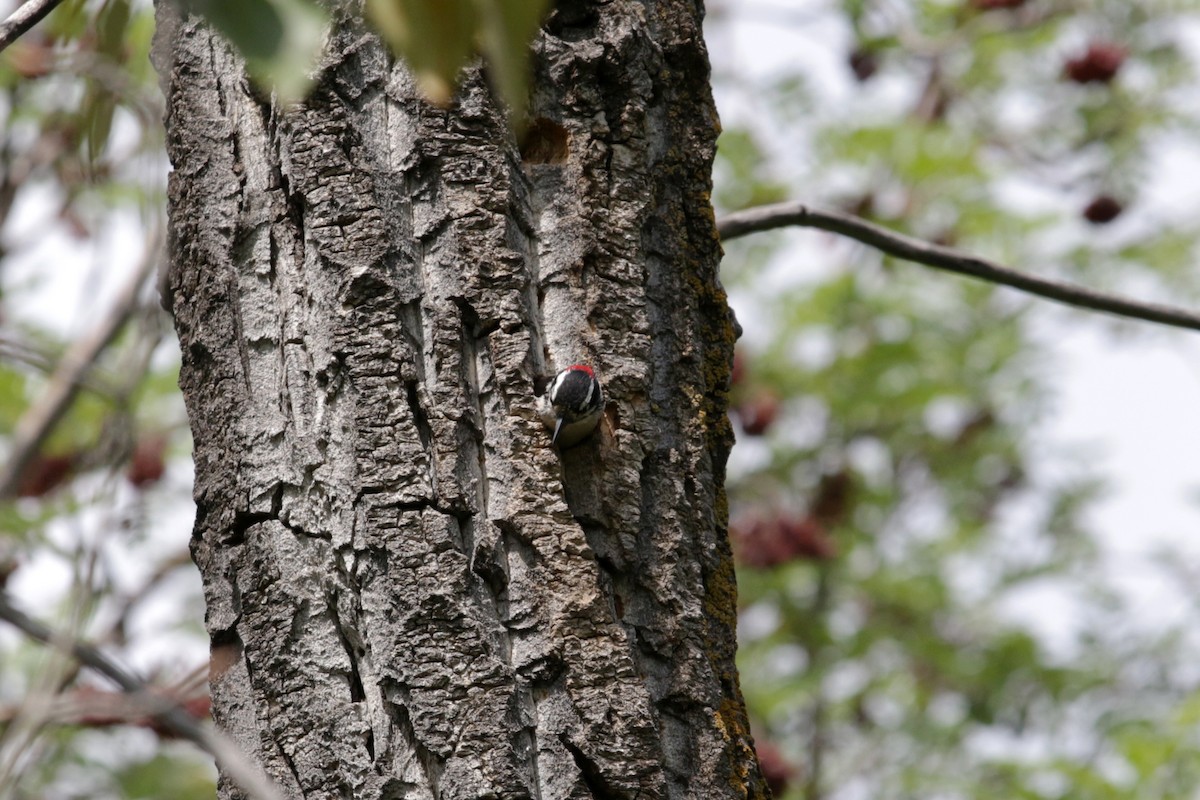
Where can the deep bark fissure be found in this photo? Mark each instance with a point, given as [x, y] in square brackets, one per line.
[351, 643]
[424, 431]
[593, 776]
[290, 763]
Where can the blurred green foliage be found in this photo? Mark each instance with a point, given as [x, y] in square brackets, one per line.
[81, 156]
[438, 37]
[282, 40]
[903, 541]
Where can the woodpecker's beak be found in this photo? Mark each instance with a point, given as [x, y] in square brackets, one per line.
[557, 426]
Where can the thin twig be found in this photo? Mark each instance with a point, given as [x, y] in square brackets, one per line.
[35, 425]
[782, 215]
[818, 658]
[165, 568]
[95, 707]
[172, 718]
[23, 740]
[14, 348]
[25, 17]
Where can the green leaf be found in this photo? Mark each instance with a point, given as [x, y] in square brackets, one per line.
[13, 396]
[254, 27]
[111, 23]
[435, 37]
[99, 104]
[98, 109]
[439, 37]
[279, 39]
[69, 20]
[164, 775]
[508, 26]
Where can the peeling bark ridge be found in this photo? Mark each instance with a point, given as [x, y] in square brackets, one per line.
[411, 593]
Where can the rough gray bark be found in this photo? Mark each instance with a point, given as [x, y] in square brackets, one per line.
[410, 593]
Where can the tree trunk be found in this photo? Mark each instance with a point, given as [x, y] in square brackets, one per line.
[410, 593]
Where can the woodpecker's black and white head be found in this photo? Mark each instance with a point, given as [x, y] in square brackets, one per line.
[572, 405]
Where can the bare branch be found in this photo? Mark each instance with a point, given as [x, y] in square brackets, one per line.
[171, 717]
[95, 707]
[896, 244]
[25, 17]
[35, 425]
[17, 349]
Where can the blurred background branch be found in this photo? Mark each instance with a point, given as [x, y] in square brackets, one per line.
[36, 424]
[25, 17]
[781, 215]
